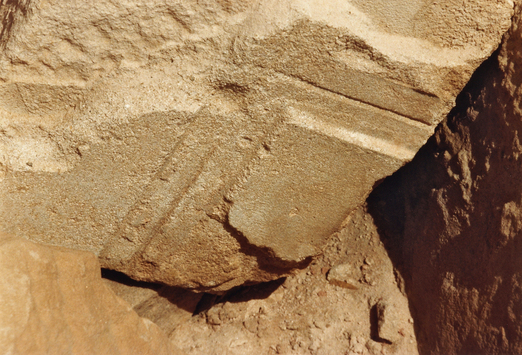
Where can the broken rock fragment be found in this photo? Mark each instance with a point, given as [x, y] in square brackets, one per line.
[388, 322]
[53, 301]
[208, 145]
[344, 275]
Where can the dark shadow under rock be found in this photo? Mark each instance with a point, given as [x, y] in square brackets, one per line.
[164, 305]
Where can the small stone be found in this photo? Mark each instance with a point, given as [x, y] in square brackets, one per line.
[83, 149]
[344, 275]
[387, 321]
[369, 280]
[358, 348]
[213, 317]
[320, 324]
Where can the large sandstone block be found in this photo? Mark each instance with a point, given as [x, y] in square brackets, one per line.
[53, 301]
[211, 144]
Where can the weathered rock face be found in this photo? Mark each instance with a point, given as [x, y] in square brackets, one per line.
[211, 144]
[452, 218]
[53, 301]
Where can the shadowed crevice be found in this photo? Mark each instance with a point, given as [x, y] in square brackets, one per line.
[180, 297]
[239, 294]
[266, 258]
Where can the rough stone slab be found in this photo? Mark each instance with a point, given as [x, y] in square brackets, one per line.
[208, 145]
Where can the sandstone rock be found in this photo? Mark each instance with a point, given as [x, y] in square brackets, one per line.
[53, 301]
[452, 217]
[208, 144]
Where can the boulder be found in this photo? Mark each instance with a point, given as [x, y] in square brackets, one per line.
[209, 144]
[53, 301]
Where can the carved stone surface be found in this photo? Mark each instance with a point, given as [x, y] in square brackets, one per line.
[207, 144]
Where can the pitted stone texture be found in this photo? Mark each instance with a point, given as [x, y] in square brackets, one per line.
[54, 42]
[53, 301]
[208, 144]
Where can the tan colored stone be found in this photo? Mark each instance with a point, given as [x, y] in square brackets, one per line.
[53, 301]
[209, 144]
[388, 321]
